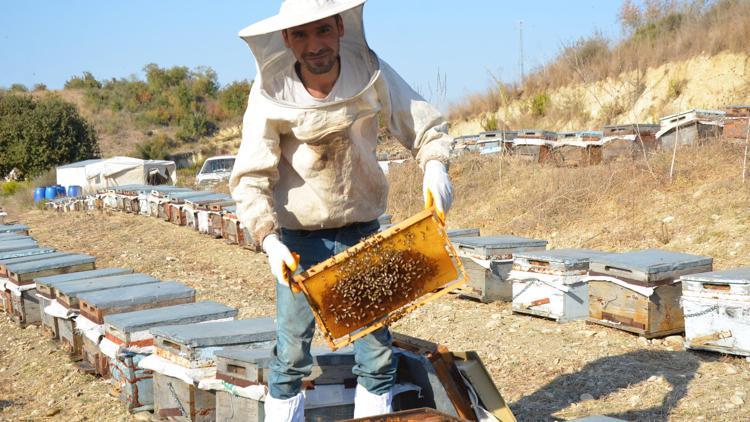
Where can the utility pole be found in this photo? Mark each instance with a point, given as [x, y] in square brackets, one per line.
[520, 49]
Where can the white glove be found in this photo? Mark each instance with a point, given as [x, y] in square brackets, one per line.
[281, 260]
[437, 189]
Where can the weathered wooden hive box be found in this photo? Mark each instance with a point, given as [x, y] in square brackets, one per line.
[17, 254]
[24, 300]
[424, 414]
[206, 216]
[127, 341]
[736, 121]
[331, 371]
[66, 295]
[488, 260]
[14, 228]
[231, 229]
[158, 196]
[454, 233]
[45, 291]
[37, 255]
[627, 142]
[95, 306]
[639, 291]
[552, 284]
[689, 127]
[173, 198]
[717, 311]
[216, 220]
[179, 210]
[533, 145]
[193, 346]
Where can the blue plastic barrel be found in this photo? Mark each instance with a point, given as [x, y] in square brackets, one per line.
[60, 190]
[50, 193]
[74, 191]
[39, 194]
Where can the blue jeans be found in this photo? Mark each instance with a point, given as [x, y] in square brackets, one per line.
[375, 367]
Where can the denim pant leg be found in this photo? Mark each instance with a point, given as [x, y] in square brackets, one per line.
[376, 367]
[295, 324]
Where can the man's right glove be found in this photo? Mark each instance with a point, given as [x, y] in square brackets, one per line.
[283, 262]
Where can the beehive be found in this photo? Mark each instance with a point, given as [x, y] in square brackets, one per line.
[717, 311]
[639, 291]
[488, 260]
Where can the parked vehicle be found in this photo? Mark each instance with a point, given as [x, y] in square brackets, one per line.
[215, 170]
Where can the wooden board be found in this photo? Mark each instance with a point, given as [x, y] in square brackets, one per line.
[422, 234]
[414, 415]
[95, 358]
[177, 401]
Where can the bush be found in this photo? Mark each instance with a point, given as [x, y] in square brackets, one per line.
[40, 87]
[538, 104]
[156, 148]
[9, 188]
[36, 135]
[233, 98]
[86, 81]
[18, 88]
[676, 87]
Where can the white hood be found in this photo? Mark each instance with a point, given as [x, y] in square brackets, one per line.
[274, 58]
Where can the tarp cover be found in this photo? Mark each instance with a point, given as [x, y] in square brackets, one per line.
[93, 175]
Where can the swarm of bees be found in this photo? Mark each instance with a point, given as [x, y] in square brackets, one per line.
[377, 280]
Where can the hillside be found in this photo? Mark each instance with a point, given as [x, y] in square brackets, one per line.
[632, 97]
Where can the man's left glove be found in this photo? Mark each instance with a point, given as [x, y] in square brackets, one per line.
[282, 261]
[437, 189]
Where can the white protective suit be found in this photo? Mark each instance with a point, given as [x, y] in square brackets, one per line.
[314, 166]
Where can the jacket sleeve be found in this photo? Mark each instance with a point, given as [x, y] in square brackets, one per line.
[256, 170]
[413, 121]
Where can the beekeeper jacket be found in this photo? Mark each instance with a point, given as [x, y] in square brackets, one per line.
[315, 167]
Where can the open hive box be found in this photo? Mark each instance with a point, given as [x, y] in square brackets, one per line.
[381, 279]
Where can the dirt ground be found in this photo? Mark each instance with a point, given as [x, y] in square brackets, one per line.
[546, 371]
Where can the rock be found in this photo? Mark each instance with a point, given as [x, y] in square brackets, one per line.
[737, 400]
[586, 397]
[142, 416]
[588, 333]
[731, 370]
[674, 340]
[52, 411]
[634, 400]
[643, 341]
[657, 342]
[655, 378]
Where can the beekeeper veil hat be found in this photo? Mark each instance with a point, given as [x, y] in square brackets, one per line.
[266, 41]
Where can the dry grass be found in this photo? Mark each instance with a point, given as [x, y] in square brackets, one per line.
[612, 207]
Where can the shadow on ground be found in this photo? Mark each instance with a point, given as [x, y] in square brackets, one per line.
[608, 375]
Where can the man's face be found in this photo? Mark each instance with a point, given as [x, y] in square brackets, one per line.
[316, 45]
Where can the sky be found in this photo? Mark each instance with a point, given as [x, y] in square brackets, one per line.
[468, 42]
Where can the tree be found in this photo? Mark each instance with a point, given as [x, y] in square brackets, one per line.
[87, 81]
[233, 98]
[38, 134]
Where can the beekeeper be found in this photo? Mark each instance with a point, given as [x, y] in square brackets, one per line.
[306, 179]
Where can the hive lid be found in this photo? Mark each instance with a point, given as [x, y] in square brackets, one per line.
[81, 275]
[261, 358]
[134, 295]
[650, 264]
[25, 252]
[170, 315]
[14, 245]
[221, 333]
[7, 228]
[46, 264]
[734, 276]
[75, 288]
[34, 257]
[500, 242]
[567, 257]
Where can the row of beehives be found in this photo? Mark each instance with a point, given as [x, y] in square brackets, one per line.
[194, 361]
[653, 293]
[207, 212]
[613, 143]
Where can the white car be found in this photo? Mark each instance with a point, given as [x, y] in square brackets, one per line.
[215, 170]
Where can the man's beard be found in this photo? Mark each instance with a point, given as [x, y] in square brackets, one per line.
[320, 69]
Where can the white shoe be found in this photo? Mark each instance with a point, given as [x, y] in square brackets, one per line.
[369, 404]
[290, 410]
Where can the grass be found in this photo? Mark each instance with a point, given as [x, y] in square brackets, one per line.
[618, 207]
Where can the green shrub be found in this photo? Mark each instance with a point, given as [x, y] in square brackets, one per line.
[233, 97]
[18, 88]
[538, 104]
[38, 134]
[40, 87]
[86, 81]
[489, 122]
[676, 87]
[156, 148]
[9, 188]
